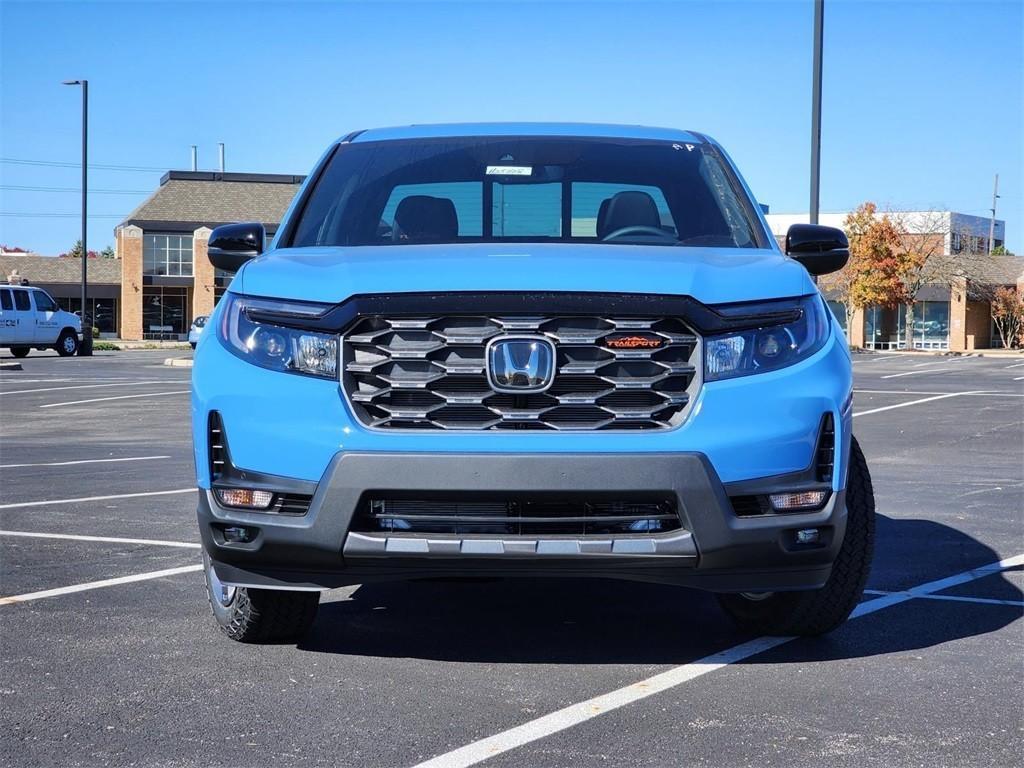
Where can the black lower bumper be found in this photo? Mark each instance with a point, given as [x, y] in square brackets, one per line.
[714, 548]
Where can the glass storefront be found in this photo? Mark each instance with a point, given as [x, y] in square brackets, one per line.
[884, 328]
[102, 311]
[165, 312]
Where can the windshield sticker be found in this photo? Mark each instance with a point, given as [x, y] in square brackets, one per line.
[509, 170]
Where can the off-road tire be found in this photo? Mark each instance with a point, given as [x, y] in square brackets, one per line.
[263, 615]
[67, 344]
[20, 351]
[818, 611]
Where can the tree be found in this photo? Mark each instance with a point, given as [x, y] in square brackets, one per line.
[107, 253]
[874, 273]
[1007, 310]
[76, 252]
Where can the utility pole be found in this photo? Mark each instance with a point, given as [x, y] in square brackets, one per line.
[992, 221]
[85, 348]
[819, 22]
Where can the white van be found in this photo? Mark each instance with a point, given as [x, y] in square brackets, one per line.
[29, 317]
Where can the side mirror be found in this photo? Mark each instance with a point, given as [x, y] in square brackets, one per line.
[231, 245]
[820, 249]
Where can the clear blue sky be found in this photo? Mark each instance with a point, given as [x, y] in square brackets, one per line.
[922, 101]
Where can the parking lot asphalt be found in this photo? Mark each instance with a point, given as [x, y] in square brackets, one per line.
[507, 673]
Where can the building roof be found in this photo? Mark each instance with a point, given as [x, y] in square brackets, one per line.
[187, 200]
[595, 130]
[48, 270]
[998, 269]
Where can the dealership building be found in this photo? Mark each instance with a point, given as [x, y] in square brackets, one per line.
[161, 278]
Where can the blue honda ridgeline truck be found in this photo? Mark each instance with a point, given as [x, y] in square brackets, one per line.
[528, 350]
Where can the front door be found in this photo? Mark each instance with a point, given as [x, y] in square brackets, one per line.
[46, 326]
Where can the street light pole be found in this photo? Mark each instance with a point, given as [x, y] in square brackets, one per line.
[819, 12]
[85, 348]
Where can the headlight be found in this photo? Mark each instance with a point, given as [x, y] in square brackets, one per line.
[770, 347]
[268, 345]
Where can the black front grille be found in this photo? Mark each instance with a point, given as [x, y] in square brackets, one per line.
[518, 517]
[430, 373]
[750, 506]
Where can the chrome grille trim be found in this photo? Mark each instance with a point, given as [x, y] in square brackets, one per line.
[428, 372]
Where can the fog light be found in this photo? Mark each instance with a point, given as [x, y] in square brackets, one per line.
[245, 497]
[808, 536]
[238, 534]
[790, 502]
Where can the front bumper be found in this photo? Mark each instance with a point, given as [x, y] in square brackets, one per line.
[714, 549]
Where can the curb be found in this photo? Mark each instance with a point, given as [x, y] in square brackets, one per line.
[10, 366]
[179, 362]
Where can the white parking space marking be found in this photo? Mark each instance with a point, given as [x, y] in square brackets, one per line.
[987, 393]
[84, 386]
[912, 402]
[1015, 365]
[81, 461]
[98, 584]
[923, 370]
[49, 502]
[106, 539]
[954, 598]
[575, 714]
[119, 397]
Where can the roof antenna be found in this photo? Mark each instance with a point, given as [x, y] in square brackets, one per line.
[195, 158]
[220, 149]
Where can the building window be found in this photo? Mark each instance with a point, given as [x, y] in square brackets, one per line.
[884, 328]
[165, 312]
[167, 255]
[102, 312]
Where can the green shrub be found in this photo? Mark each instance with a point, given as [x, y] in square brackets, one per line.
[105, 346]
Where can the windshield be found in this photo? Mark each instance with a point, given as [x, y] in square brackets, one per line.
[487, 189]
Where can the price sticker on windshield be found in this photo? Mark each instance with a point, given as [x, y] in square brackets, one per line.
[509, 170]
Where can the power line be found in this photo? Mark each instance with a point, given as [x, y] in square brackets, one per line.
[97, 166]
[61, 215]
[19, 188]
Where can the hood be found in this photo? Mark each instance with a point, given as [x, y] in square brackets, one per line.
[710, 275]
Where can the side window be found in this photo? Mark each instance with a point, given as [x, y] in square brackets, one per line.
[587, 197]
[21, 300]
[5, 299]
[466, 196]
[43, 302]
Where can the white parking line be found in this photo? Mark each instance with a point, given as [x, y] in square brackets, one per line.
[49, 502]
[948, 367]
[954, 598]
[575, 714]
[1015, 365]
[912, 402]
[81, 461]
[106, 539]
[83, 386]
[119, 397]
[98, 584]
[979, 393]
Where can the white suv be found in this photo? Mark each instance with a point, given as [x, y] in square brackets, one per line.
[29, 317]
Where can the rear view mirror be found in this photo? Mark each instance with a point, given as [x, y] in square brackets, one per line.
[820, 249]
[231, 245]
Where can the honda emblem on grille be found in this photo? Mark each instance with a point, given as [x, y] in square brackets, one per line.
[520, 364]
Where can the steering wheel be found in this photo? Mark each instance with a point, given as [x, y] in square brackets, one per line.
[637, 229]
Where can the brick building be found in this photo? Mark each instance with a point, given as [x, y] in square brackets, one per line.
[946, 317]
[166, 279]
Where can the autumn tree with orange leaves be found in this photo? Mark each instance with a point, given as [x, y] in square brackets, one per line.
[878, 265]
